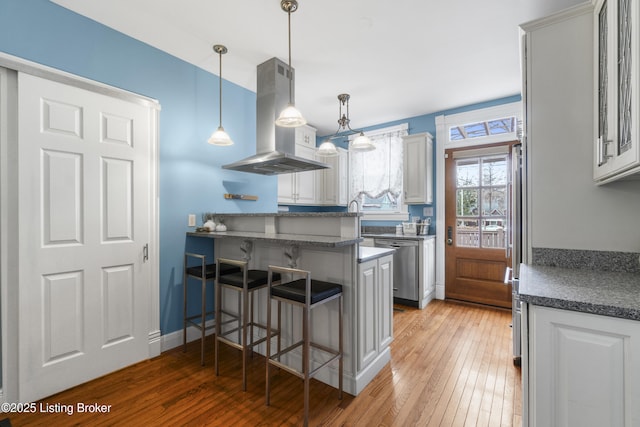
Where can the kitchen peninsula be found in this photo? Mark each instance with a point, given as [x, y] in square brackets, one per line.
[327, 244]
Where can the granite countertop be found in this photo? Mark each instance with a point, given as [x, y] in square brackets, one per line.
[400, 236]
[287, 214]
[284, 239]
[366, 253]
[606, 293]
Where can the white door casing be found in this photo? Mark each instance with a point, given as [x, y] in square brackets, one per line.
[86, 209]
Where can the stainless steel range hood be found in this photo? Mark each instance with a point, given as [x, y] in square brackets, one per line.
[275, 146]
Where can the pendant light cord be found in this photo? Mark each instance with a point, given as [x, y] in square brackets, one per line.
[290, 72]
[220, 87]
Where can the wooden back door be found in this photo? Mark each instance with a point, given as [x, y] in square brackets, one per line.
[477, 211]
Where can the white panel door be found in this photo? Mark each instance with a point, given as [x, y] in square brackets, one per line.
[84, 293]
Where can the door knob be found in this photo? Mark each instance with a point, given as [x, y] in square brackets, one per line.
[449, 236]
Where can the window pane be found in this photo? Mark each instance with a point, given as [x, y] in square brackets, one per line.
[467, 173]
[467, 233]
[500, 126]
[467, 202]
[475, 130]
[494, 171]
[494, 201]
[454, 134]
[493, 233]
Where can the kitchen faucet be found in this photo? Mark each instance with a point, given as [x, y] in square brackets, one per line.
[357, 212]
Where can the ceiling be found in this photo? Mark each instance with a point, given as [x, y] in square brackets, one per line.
[396, 58]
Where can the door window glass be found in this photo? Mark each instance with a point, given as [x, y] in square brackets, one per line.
[481, 201]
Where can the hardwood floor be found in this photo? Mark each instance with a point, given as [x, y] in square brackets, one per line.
[451, 365]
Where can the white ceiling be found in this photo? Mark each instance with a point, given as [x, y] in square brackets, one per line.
[396, 58]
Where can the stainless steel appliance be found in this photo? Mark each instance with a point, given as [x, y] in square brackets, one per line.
[516, 247]
[406, 263]
[275, 145]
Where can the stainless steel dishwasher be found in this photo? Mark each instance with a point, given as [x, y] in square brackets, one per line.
[405, 268]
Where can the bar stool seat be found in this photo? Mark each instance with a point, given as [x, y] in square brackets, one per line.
[306, 293]
[245, 281]
[203, 272]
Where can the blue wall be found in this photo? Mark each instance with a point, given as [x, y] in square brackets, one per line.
[191, 180]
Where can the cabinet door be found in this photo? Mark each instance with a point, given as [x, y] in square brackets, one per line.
[418, 169]
[429, 260]
[305, 136]
[584, 369]
[286, 188]
[305, 186]
[616, 82]
[367, 322]
[385, 289]
[343, 178]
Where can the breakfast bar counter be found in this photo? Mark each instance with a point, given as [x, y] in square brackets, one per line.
[327, 245]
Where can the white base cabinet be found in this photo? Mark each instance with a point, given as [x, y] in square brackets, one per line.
[580, 369]
[375, 308]
[427, 271]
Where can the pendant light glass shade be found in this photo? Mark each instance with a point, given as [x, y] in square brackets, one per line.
[327, 149]
[219, 136]
[290, 117]
[362, 143]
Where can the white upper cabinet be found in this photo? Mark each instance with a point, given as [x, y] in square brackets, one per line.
[300, 187]
[418, 168]
[332, 183]
[616, 40]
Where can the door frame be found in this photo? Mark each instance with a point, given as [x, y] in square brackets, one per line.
[9, 218]
[443, 123]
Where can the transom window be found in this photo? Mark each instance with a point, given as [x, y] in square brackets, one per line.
[483, 129]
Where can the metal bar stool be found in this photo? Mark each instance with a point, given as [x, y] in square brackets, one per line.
[202, 272]
[308, 294]
[246, 282]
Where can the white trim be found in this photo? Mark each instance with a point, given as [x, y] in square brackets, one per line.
[482, 115]
[8, 234]
[19, 64]
[442, 134]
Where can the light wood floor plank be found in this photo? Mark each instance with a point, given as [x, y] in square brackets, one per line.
[451, 364]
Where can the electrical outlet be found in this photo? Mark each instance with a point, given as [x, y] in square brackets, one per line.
[192, 220]
[427, 211]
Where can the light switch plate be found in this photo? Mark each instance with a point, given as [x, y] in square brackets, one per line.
[427, 211]
[192, 220]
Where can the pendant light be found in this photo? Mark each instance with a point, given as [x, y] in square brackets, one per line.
[360, 143]
[220, 137]
[290, 117]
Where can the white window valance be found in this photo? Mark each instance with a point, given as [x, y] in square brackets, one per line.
[379, 172]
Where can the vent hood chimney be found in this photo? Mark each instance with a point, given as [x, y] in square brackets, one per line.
[275, 145]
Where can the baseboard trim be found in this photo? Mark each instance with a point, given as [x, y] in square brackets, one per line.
[174, 339]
